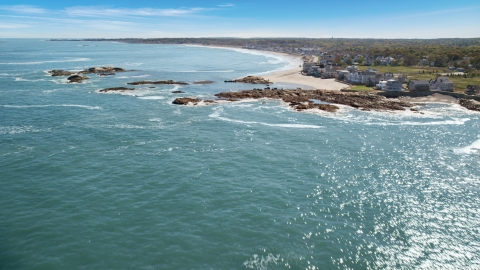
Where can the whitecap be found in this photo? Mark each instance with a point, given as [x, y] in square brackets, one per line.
[152, 97]
[473, 148]
[206, 71]
[27, 80]
[49, 61]
[216, 115]
[11, 130]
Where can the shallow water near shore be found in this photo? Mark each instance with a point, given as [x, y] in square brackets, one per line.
[130, 181]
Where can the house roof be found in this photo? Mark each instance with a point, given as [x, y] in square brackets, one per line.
[420, 82]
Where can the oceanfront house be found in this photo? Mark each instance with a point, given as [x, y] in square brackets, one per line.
[473, 90]
[361, 77]
[419, 85]
[381, 85]
[441, 84]
[342, 74]
[307, 66]
[393, 86]
[352, 68]
[329, 73]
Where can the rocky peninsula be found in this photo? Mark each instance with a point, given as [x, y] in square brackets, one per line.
[470, 104]
[321, 99]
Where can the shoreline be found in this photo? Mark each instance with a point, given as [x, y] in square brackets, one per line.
[292, 74]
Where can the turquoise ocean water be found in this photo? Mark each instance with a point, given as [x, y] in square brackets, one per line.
[130, 181]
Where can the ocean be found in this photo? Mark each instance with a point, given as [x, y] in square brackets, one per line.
[130, 181]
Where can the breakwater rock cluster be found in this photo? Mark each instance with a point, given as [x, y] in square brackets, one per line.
[76, 76]
[157, 82]
[470, 104]
[251, 80]
[305, 99]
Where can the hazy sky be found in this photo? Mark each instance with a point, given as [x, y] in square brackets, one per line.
[316, 19]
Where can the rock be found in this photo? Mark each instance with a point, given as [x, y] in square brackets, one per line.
[470, 104]
[302, 99]
[251, 80]
[58, 72]
[185, 101]
[203, 82]
[76, 78]
[177, 92]
[103, 71]
[157, 82]
[116, 89]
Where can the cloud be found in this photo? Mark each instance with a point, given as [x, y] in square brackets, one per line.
[99, 11]
[226, 5]
[24, 9]
[13, 25]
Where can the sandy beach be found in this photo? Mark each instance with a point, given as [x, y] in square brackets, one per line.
[292, 75]
[435, 98]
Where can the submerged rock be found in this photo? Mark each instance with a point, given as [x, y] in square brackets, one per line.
[116, 89]
[157, 82]
[104, 71]
[177, 92]
[203, 82]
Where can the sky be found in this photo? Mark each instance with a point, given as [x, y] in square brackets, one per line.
[243, 19]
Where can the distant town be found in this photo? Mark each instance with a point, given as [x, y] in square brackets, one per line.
[391, 65]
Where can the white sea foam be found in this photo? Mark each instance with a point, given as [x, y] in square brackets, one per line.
[474, 148]
[216, 115]
[52, 105]
[27, 80]
[44, 62]
[152, 97]
[206, 71]
[11, 130]
[127, 77]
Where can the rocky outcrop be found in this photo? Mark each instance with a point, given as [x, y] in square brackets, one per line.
[186, 100]
[177, 92]
[251, 80]
[116, 89]
[59, 72]
[203, 82]
[470, 104]
[193, 101]
[102, 71]
[157, 82]
[76, 78]
[304, 99]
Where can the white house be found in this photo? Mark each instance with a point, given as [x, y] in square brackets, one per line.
[441, 84]
[381, 85]
[393, 86]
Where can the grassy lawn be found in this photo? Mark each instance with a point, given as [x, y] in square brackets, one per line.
[409, 70]
[361, 88]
